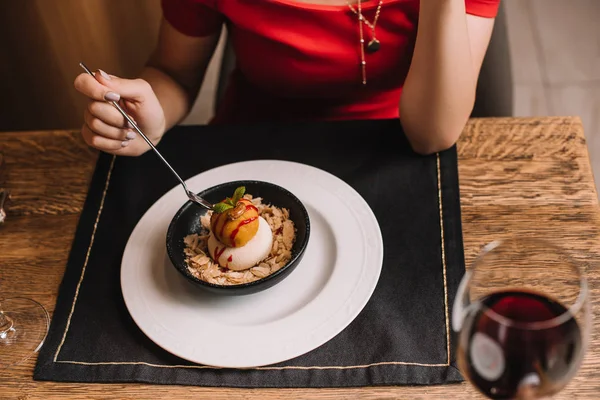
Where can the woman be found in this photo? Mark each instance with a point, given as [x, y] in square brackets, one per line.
[305, 59]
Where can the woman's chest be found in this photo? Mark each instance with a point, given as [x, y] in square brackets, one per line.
[312, 50]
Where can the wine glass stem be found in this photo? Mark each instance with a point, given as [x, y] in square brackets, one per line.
[6, 324]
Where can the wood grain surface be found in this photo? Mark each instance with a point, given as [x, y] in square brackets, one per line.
[517, 175]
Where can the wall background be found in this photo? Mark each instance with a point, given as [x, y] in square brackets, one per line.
[43, 41]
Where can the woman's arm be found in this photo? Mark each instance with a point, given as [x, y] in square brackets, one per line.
[439, 91]
[176, 70]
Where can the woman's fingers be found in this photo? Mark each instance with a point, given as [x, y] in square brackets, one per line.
[93, 89]
[103, 86]
[105, 128]
[107, 113]
[101, 128]
[101, 142]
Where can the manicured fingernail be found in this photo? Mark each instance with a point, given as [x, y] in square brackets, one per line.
[112, 96]
[124, 144]
[104, 75]
[131, 135]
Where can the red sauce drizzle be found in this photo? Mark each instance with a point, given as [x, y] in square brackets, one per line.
[242, 223]
[218, 253]
[230, 259]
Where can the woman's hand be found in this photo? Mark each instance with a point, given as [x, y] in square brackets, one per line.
[105, 128]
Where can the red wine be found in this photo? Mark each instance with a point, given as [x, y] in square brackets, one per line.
[500, 360]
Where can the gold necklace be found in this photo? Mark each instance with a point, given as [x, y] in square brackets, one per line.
[374, 44]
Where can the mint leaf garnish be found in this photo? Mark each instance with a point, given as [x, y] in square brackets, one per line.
[221, 207]
[238, 194]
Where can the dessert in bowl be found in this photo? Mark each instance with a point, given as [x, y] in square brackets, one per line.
[253, 238]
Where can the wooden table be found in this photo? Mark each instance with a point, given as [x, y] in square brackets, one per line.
[516, 175]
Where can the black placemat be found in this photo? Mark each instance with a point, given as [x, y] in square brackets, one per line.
[402, 336]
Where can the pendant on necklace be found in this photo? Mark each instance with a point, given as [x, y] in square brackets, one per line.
[373, 46]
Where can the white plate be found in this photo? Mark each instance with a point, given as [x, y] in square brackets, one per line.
[322, 296]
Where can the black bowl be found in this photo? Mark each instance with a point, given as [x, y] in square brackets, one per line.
[187, 221]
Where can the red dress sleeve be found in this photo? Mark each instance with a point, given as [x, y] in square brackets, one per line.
[193, 17]
[482, 8]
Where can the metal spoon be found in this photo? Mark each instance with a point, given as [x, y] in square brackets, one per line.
[191, 195]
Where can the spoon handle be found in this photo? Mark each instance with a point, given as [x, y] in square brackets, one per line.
[134, 125]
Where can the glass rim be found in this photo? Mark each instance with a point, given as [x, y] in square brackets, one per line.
[570, 312]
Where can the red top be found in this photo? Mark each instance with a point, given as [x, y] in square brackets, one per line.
[299, 61]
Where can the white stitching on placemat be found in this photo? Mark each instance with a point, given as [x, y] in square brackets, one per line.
[254, 368]
[332, 367]
[87, 256]
[439, 180]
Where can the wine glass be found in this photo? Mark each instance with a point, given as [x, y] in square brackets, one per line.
[523, 319]
[23, 322]
[23, 329]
